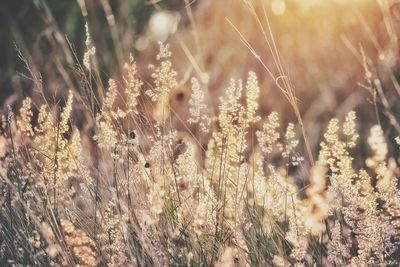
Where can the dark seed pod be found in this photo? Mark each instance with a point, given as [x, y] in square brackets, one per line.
[180, 96]
[147, 165]
[132, 135]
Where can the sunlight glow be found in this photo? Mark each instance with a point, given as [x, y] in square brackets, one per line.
[278, 7]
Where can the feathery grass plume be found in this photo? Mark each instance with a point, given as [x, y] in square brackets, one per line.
[334, 153]
[387, 182]
[25, 121]
[113, 236]
[164, 81]
[133, 86]
[268, 137]
[318, 199]
[370, 225]
[66, 114]
[252, 96]
[232, 123]
[287, 207]
[54, 157]
[349, 129]
[355, 202]
[258, 184]
[198, 109]
[377, 142]
[290, 145]
[90, 49]
[106, 135]
[338, 250]
[80, 244]
[164, 76]
[229, 146]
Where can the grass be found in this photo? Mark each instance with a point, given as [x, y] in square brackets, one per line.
[160, 168]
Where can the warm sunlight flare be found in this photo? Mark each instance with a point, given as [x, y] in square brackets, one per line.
[200, 133]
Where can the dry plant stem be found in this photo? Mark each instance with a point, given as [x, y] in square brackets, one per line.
[376, 86]
[194, 31]
[87, 98]
[286, 88]
[376, 90]
[96, 72]
[192, 60]
[114, 31]
[9, 115]
[56, 168]
[392, 119]
[388, 23]
[48, 17]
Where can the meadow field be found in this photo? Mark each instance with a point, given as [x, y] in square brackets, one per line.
[200, 133]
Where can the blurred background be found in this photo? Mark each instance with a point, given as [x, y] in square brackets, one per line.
[339, 55]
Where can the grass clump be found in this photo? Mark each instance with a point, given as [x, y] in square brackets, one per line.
[139, 192]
